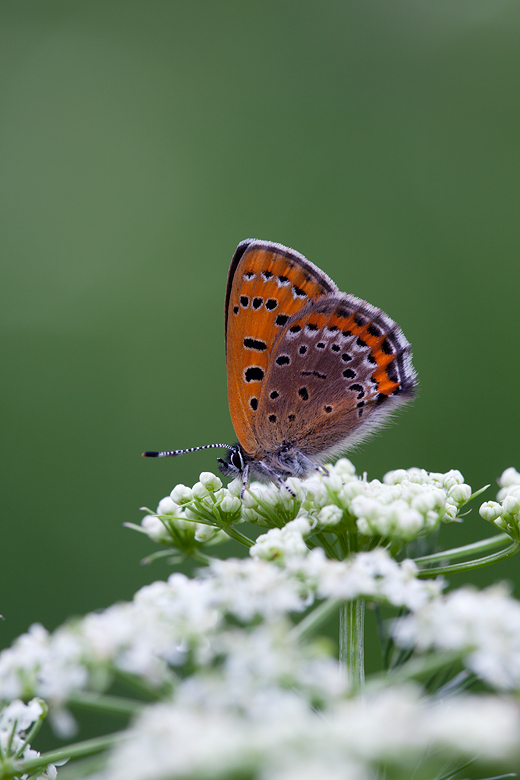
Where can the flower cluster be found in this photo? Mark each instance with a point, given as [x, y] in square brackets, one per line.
[374, 575]
[506, 514]
[404, 506]
[16, 720]
[247, 683]
[391, 733]
[483, 625]
[180, 622]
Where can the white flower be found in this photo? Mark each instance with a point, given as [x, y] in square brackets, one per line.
[210, 481]
[24, 715]
[207, 534]
[181, 494]
[484, 626]
[490, 511]
[279, 737]
[330, 515]
[405, 505]
[155, 528]
[230, 504]
[15, 720]
[253, 588]
[505, 516]
[280, 543]
[511, 503]
[343, 468]
[509, 479]
[199, 491]
[460, 493]
[167, 506]
[452, 478]
[376, 575]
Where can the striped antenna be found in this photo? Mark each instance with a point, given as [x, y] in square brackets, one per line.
[173, 453]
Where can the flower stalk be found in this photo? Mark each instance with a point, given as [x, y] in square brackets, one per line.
[83, 749]
[479, 563]
[352, 642]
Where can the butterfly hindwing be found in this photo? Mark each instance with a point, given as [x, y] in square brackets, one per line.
[337, 369]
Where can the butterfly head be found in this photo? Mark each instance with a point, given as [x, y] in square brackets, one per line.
[234, 463]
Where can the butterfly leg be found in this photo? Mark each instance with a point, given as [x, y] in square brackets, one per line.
[320, 469]
[245, 478]
[276, 478]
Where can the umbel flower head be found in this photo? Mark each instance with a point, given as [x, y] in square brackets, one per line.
[237, 662]
[404, 506]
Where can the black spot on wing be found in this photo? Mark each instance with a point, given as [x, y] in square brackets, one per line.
[254, 374]
[250, 343]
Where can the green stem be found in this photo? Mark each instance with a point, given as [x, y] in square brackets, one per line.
[351, 642]
[28, 739]
[237, 536]
[171, 552]
[343, 542]
[306, 627]
[329, 549]
[115, 705]
[79, 750]
[200, 557]
[461, 552]
[469, 565]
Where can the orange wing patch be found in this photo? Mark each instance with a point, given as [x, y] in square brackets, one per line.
[267, 288]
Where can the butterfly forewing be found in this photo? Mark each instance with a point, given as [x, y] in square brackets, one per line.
[268, 285]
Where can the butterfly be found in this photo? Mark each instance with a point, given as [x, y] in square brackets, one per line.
[310, 370]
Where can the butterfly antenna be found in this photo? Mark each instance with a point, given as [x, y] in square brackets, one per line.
[172, 453]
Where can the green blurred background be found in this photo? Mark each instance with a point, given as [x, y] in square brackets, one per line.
[139, 143]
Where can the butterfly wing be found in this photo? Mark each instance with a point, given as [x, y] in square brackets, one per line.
[268, 285]
[336, 370]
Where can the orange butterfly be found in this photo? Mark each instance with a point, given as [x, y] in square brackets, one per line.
[310, 370]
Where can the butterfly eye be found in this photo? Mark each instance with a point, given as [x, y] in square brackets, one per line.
[237, 460]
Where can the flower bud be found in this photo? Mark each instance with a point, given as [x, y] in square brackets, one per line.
[460, 493]
[344, 467]
[393, 477]
[204, 533]
[230, 504]
[509, 478]
[154, 528]
[210, 481]
[181, 494]
[490, 511]
[167, 506]
[330, 515]
[235, 486]
[511, 504]
[450, 511]
[302, 525]
[199, 491]
[452, 477]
